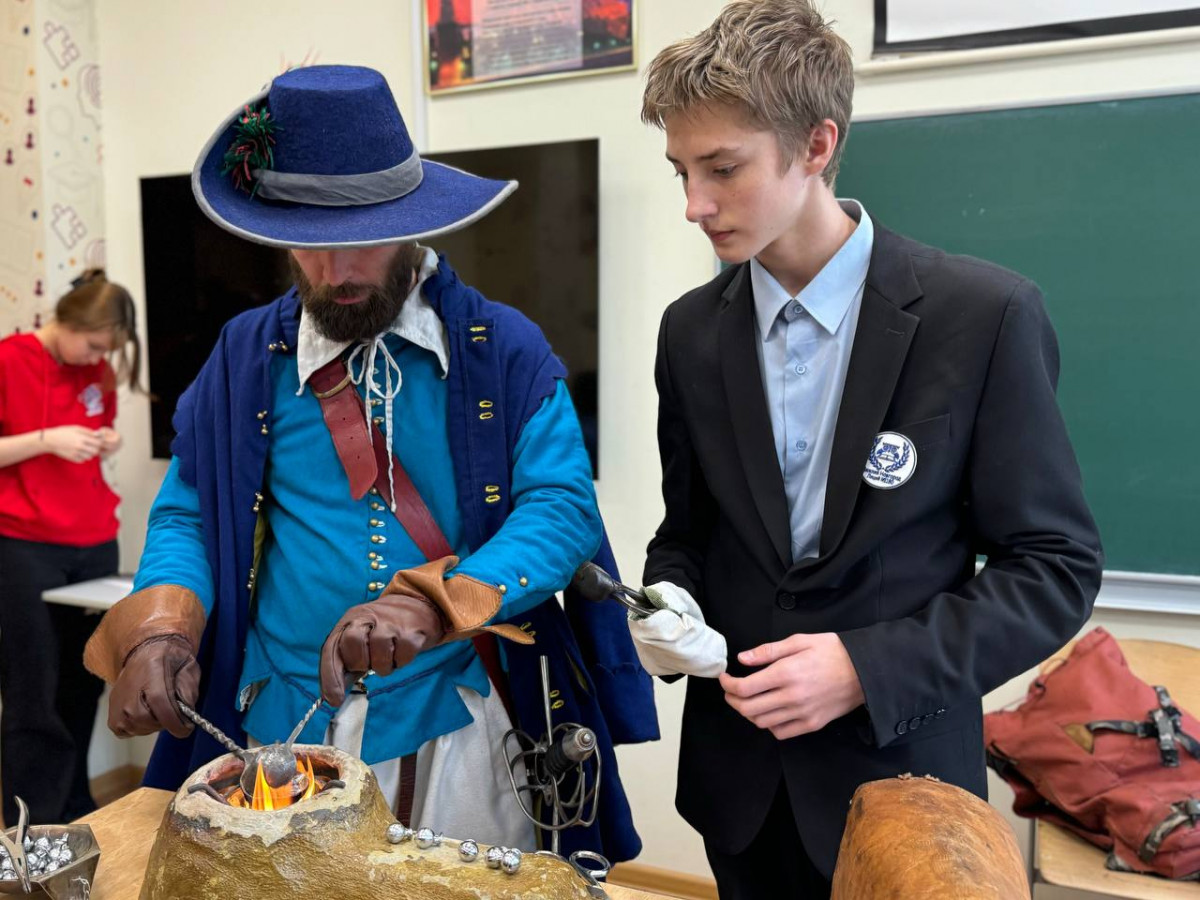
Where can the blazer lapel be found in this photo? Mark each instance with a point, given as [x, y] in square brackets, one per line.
[885, 332]
[748, 413]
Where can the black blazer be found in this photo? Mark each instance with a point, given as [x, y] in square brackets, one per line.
[957, 355]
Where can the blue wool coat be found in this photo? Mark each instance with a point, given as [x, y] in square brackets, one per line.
[222, 446]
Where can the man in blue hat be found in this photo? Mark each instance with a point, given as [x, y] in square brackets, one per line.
[375, 477]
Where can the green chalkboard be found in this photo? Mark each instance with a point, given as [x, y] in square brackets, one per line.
[1099, 203]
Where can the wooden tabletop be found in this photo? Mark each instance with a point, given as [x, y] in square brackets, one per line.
[125, 830]
[1073, 861]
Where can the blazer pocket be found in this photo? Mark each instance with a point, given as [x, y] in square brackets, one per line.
[925, 432]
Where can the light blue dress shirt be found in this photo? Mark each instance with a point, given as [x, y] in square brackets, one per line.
[803, 354]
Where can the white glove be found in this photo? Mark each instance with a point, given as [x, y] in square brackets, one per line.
[674, 640]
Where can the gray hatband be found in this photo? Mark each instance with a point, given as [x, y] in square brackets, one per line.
[341, 190]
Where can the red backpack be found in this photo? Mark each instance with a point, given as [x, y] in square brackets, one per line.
[1095, 749]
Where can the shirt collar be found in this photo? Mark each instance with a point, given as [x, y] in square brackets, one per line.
[417, 322]
[829, 295]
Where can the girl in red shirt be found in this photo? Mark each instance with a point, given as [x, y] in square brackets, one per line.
[58, 526]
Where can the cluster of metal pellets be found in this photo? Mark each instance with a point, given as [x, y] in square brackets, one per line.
[42, 855]
[506, 858]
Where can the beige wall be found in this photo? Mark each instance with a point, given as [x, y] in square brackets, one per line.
[649, 254]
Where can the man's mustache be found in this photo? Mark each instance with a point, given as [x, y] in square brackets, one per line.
[329, 293]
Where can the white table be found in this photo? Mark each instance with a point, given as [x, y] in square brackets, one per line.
[98, 594]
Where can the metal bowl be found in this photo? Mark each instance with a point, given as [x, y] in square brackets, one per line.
[71, 882]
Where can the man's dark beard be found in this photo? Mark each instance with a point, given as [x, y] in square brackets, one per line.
[363, 320]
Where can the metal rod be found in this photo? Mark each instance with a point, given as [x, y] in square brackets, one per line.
[212, 729]
[299, 728]
[545, 667]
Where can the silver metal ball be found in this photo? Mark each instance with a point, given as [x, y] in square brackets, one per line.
[493, 856]
[398, 834]
[468, 851]
[510, 862]
[427, 837]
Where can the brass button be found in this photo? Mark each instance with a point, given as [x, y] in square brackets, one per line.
[502, 588]
[375, 586]
[254, 508]
[262, 414]
[378, 420]
[377, 523]
[378, 565]
[378, 539]
[375, 505]
[272, 347]
[376, 401]
[264, 430]
[524, 582]
[374, 491]
[372, 555]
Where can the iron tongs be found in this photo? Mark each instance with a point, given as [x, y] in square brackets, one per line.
[597, 585]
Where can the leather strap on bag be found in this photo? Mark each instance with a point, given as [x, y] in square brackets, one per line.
[343, 413]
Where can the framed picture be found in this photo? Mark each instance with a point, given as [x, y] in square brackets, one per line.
[473, 44]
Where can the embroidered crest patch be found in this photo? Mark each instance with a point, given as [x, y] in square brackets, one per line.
[892, 461]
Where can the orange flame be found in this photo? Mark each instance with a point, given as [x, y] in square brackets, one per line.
[267, 798]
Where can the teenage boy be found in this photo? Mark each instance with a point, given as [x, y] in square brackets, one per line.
[847, 419]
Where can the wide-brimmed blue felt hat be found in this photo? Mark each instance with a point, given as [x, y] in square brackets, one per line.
[322, 159]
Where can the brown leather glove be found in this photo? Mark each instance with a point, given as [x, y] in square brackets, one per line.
[157, 673]
[382, 635]
[145, 648]
[419, 609]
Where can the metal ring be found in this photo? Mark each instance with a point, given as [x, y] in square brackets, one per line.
[601, 869]
[325, 395]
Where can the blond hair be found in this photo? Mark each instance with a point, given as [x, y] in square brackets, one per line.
[776, 61]
[96, 304]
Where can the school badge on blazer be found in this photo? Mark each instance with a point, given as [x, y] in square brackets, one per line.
[891, 462]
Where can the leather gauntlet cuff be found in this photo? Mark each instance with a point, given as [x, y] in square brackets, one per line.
[154, 612]
[465, 603]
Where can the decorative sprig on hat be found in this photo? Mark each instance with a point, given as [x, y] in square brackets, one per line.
[254, 136]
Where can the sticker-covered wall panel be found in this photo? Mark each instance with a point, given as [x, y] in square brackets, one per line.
[22, 263]
[72, 152]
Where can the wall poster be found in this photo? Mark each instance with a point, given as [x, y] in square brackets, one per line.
[492, 43]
